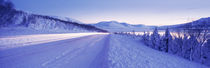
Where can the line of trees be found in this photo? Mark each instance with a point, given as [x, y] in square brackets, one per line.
[189, 43]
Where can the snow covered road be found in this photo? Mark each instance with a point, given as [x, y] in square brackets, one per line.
[86, 51]
[80, 52]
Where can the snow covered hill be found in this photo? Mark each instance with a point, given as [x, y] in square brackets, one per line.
[10, 17]
[114, 26]
[200, 23]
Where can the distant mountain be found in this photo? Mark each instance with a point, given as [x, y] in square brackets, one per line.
[10, 17]
[114, 26]
[200, 23]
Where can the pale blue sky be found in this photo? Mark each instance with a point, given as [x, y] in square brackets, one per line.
[149, 12]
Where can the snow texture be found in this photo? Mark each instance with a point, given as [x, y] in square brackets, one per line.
[125, 52]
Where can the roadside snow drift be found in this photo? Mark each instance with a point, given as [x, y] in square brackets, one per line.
[128, 53]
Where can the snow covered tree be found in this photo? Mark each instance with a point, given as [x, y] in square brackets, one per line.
[186, 47]
[192, 43]
[205, 59]
[155, 39]
[178, 42]
[196, 55]
[198, 36]
[144, 36]
[167, 39]
[202, 37]
[191, 48]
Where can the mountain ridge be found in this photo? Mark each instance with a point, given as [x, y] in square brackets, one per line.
[114, 26]
[11, 17]
[200, 23]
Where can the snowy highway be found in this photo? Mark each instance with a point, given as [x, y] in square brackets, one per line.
[87, 51]
[91, 50]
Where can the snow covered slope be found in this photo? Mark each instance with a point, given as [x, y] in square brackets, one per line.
[10, 17]
[68, 19]
[125, 52]
[200, 23]
[114, 26]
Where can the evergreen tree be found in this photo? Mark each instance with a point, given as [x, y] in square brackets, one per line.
[185, 47]
[206, 53]
[155, 39]
[167, 39]
[144, 36]
[178, 41]
[192, 43]
[196, 56]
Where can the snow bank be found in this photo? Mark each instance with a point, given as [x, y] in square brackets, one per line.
[127, 53]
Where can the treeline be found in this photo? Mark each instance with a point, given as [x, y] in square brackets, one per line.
[189, 43]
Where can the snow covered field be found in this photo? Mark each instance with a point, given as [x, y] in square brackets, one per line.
[84, 50]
